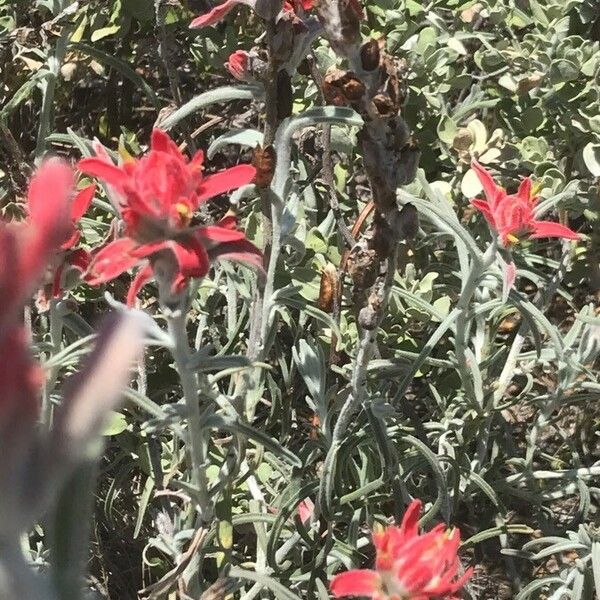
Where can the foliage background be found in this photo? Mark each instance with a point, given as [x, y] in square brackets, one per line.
[515, 83]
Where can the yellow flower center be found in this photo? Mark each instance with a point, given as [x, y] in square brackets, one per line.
[513, 239]
[184, 212]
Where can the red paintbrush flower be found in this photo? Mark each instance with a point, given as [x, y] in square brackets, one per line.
[512, 216]
[407, 565]
[26, 248]
[158, 196]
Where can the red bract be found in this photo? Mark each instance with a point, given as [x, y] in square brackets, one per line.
[159, 194]
[512, 216]
[407, 565]
[26, 248]
[69, 256]
[237, 65]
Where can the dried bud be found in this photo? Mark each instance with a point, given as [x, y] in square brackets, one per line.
[285, 96]
[263, 160]
[384, 106]
[409, 162]
[328, 289]
[304, 67]
[370, 55]
[463, 139]
[409, 221]
[527, 84]
[363, 267]
[340, 88]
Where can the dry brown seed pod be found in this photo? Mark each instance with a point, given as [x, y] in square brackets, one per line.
[263, 160]
[328, 288]
[384, 105]
[342, 87]
[370, 55]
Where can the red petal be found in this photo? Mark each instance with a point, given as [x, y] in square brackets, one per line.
[111, 261]
[524, 191]
[57, 282]
[98, 167]
[72, 240]
[484, 207]
[214, 233]
[410, 520]
[161, 142]
[50, 190]
[358, 582]
[146, 250]
[82, 202]
[139, 281]
[225, 181]
[191, 258]
[80, 259]
[543, 229]
[48, 204]
[242, 251]
[216, 14]
[492, 191]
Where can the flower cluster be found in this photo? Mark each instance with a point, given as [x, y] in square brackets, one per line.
[408, 565]
[512, 216]
[158, 196]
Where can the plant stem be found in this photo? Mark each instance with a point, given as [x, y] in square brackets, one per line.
[55, 331]
[358, 389]
[190, 386]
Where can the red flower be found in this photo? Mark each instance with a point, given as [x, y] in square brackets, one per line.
[26, 248]
[237, 65]
[158, 195]
[407, 565]
[512, 216]
[69, 257]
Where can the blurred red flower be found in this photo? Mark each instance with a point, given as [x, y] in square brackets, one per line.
[512, 215]
[407, 564]
[158, 196]
[26, 249]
